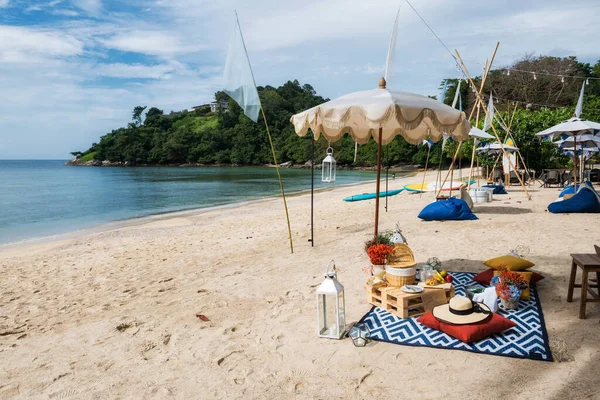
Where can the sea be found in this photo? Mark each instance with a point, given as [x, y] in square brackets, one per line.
[45, 198]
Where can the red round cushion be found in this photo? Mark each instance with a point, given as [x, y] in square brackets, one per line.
[470, 332]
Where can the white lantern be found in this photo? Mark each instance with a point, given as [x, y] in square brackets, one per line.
[331, 312]
[328, 167]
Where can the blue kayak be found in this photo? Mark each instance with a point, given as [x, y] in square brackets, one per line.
[368, 196]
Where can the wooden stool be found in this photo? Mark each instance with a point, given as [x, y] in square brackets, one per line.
[588, 263]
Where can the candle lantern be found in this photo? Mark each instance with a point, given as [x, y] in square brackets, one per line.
[328, 167]
[360, 334]
[331, 306]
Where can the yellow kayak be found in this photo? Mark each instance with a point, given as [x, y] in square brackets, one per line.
[433, 186]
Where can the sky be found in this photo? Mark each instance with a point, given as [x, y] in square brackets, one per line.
[73, 70]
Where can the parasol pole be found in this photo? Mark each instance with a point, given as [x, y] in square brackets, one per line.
[312, 192]
[378, 182]
[478, 101]
[387, 168]
[478, 171]
[425, 173]
[464, 67]
[575, 163]
[438, 177]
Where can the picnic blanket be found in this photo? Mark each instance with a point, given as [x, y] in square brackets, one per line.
[528, 339]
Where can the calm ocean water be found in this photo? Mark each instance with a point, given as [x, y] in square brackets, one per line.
[43, 197]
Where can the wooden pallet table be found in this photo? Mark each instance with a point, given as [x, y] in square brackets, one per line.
[406, 305]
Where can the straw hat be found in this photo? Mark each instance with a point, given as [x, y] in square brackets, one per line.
[461, 311]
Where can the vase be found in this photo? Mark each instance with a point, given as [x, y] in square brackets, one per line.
[378, 270]
[510, 304]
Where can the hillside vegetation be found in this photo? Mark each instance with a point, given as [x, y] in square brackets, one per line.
[229, 137]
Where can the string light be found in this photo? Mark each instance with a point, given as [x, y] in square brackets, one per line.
[587, 81]
[534, 77]
[562, 79]
[507, 71]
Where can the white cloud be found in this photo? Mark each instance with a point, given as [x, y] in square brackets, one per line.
[4, 3]
[150, 42]
[119, 70]
[65, 12]
[90, 6]
[21, 42]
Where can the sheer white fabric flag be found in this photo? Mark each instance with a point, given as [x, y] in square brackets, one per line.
[579, 107]
[490, 112]
[238, 79]
[456, 94]
[391, 55]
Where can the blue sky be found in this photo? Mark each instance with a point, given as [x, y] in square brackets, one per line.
[72, 70]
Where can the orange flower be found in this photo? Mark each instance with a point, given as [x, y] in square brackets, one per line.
[379, 252]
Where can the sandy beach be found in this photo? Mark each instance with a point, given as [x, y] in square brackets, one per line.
[113, 314]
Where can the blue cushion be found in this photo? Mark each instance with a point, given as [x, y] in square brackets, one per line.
[498, 189]
[584, 201]
[451, 209]
[571, 189]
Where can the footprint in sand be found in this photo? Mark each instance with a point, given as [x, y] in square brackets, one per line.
[63, 394]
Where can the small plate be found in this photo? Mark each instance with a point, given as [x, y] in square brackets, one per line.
[411, 289]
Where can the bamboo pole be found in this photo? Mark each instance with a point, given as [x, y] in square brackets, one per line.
[287, 215]
[493, 128]
[477, 126]
[478, 101]
[473, 152]
[509, 134]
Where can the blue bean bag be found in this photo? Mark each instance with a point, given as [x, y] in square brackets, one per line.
[586, 200]
[447, 210]
[571, 189]
[498, 189]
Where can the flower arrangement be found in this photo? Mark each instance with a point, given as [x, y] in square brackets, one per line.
[509, 286]
[378, 253]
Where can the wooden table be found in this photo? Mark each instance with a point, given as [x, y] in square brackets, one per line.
[406, 305]
[588, 263]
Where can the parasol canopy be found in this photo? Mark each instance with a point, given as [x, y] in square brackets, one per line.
[479, 134]
[571, 127]
[585, 141]
[361, 114]
[495, 148]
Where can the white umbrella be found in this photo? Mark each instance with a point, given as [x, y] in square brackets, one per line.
[587, 141]
[362, 114]
[478, 133]
[495, 148]
[382, 114]
[573, 126]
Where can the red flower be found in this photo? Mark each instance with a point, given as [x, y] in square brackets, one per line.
[379, 252]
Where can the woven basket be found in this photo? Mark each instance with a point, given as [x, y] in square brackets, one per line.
[401, 257]
[400, 276]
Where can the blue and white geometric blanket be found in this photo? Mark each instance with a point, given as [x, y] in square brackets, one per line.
[528, 339]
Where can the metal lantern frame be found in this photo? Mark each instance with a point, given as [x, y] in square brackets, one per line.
[328, 167]
[360, 334]
[331, 304]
